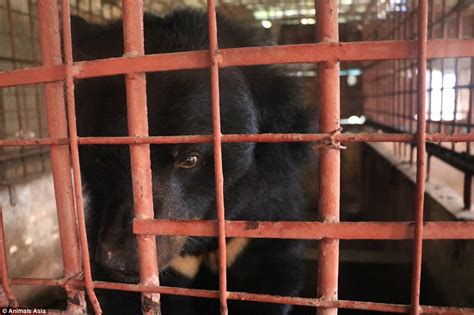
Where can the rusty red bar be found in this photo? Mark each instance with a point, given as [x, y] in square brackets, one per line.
[406, 85]
[60, 157]
[329, 156]
[137, 115]
[4, 267]
[71, 112]
[218, 170]
[230, 138]
[307, 53]
[431, 18]
[13, 60]
[38, 106]
[450, 230]
[43, 74]
[22, 125]
[362, 137]
[470, 112]
[309, 230]
[421, 157]
[442, 66]
[459, 31]
[33, 142]
[367, 306]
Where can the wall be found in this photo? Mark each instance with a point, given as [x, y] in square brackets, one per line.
[32, 237]
[388, 194]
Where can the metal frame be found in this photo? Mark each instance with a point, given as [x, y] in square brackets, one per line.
[390, 86]
[26, 119]
[329, 52]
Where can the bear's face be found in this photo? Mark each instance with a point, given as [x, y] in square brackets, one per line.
[261, 181]
[179, 103]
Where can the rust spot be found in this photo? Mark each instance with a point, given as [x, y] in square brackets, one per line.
[251, 225]
[148, 305]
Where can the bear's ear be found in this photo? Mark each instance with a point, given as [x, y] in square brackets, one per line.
[80, 28]
[81, 31]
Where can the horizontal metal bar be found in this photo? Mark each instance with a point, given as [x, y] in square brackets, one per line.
[244, 296]
[230, 57]
[231, 138]
[17, 154]
[43, 74]
[33, 142]
[462, 161]
[308, 230]
[20, 60]
[146, 63]
[349, 51]
[24, 178]
[284, 54]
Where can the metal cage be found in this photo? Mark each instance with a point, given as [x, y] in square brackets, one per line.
[413, 50]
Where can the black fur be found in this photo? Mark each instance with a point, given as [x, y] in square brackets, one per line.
[263, 181]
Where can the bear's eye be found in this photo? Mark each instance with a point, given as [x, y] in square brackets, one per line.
[189, 162]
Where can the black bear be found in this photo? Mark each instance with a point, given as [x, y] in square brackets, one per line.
[263, 181]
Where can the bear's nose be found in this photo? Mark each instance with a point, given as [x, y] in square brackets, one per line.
[112, 258]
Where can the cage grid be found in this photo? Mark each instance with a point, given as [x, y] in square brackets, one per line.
[22, 107]
[391, 86]
[401, 53]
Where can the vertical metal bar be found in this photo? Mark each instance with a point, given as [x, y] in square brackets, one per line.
[329, 157]
[394, 96]
[467, 195]
[13, 55]
[421, 156]
[60, 157]
[137, 114]
[398, 74]
[75, 156]
[408, 89]
[111, 10]
[374, 94]
[89, 8]
[218, 171]
[4, 266]
[456, 77]
[413, 81]
[21, 125]
[34, 57]
[470, 111]
[397, 86]
[102, 11]
[443, 34]
[431, 18]
[395, 78]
